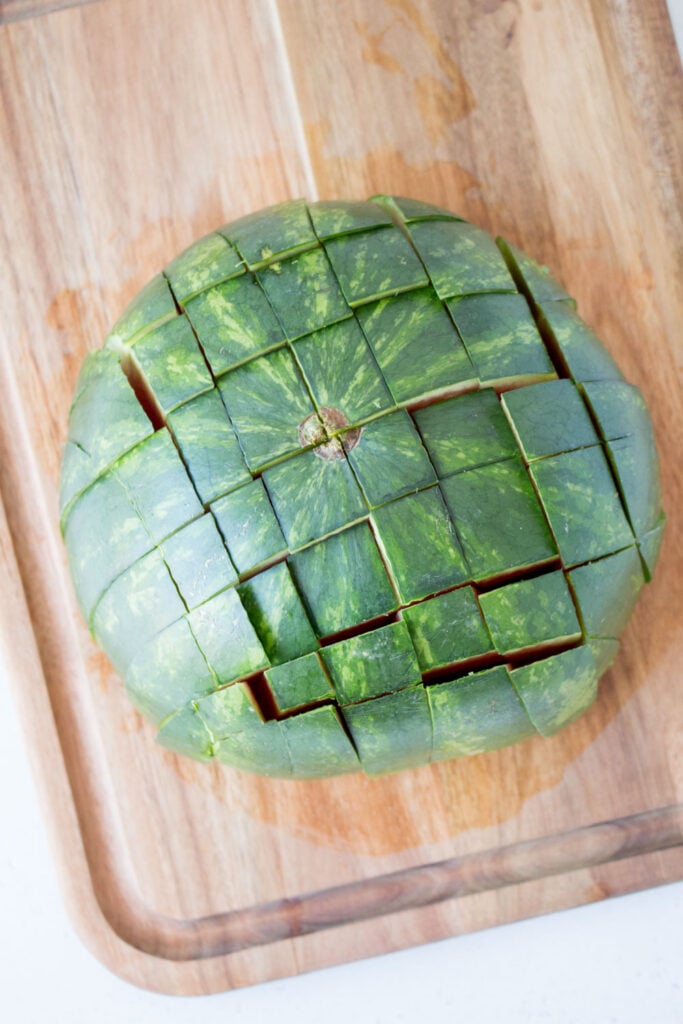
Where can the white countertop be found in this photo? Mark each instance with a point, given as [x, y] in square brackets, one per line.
[616, 962]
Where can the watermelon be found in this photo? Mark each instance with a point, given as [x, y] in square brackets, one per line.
[351, 487]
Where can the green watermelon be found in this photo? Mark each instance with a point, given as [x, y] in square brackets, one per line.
[351, 486]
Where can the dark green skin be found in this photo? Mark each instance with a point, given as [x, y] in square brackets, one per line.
[477, 713]
[372, 664]
[341, 373]
[209, 447]
[549, 418]
[466, 432]
[492, 543]
[582, 504]
[447, 629]
[531, 612]
[208, 262]
[351, 487]
[390, 462]
[416, 344]
[501, 338]
[370, 265]
[420, 545]
[313, 496]
[299, 682]
[234, 322]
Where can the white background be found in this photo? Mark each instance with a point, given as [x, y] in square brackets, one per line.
[615, 962]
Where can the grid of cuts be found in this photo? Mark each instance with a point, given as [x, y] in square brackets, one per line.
[368, 493]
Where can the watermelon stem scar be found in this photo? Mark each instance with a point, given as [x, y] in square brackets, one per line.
[318, 429]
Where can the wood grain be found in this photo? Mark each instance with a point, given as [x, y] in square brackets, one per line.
[124, 139]
[18, 10]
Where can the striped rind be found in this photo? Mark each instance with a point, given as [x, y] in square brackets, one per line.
[373, 264]
[549, 418]
[532, 278]
[420, 545]
[168, 672]
[393, 732]
[501, 337]
[198, 561]
[152, 306]
[173, 364]
[341, 432]
[249, 526]
[331, 217]
[448, 629]
[140, 603]
[319, 744]
[266, 400]
[299, 682]
[618, 407]
[460, 258]
[313, 496]
[341, 372]
[390, 461]
[497, 515]
[372, 664]
[606, 592]
[104, 535]
[575, 345]
[184, 732]
[105, 422]
[477, 713]
[234, 323]
[416, 344]
[227, 637]
[581, 501]
[268, 235]
[208, 446]
[277, 614]
[465, 432]
[531, 612]
[558, 689]
[205, 263]
[159, 485]
[343, 580]
[304, 293]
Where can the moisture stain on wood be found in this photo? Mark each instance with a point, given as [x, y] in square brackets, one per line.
[366, 816]
[441, 182]
[442, 95]
[99, 668]
[131, 722]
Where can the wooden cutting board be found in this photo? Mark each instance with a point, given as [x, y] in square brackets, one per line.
[131, 127]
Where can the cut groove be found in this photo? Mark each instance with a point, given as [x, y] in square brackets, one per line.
[262, 695]
[301, 709]
[143, 392]
[527, 656]
[527, 572]
[553, 350]
[456, 669]
[440, 395]
[547, 649]
[369, 626]
[178, 307]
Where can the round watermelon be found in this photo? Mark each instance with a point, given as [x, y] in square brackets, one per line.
[352, 486]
